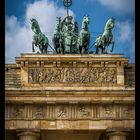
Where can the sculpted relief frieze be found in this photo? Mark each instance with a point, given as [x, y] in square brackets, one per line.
[51, 112]
[72, 75]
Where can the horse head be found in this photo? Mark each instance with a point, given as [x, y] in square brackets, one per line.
[33, 22]
[85, 22]
[34, 25]
[86, 19]
[110, 24]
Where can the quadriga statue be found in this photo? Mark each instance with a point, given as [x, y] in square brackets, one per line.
[105, 39]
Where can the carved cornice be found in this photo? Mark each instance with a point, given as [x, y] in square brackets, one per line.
[91, 59]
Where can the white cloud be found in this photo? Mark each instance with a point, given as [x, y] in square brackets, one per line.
[18, 38]
[125, 38]
[125, 31]
[45, 12]
[125, 6]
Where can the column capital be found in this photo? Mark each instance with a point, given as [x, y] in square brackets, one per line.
[30, 134]
[117, 133]
[118, 129]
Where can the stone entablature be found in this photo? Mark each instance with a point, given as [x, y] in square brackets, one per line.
[70, 92]
[72, 70]
[129, 75]
[70, 110]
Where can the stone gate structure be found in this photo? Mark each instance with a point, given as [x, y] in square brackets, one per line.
[71, 96]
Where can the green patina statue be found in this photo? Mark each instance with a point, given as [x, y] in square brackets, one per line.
[84, 36]
[70, 38]
[105, 39]
[65, 35]
[67, 40]
[39, 39]
[58, 37]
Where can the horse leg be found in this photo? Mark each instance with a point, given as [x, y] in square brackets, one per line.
[86, 49]
[112, 46]
[33, 47]
[80, 49]
[45, 48]
[41, 49]
[55, 46]
[83, 49]
[103, 50]
[58, 49]
[97, 50]
[63, 49]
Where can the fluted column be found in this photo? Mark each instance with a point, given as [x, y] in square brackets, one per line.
[29, 135]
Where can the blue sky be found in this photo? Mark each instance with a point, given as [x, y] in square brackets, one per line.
[19, 34]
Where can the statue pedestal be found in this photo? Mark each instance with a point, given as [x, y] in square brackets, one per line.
[72, 71]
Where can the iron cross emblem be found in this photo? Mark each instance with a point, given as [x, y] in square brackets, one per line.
[67, 3]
